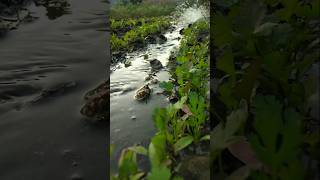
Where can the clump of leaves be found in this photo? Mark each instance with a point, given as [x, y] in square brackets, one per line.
[138, 33]
[278, 137]
[264, 50]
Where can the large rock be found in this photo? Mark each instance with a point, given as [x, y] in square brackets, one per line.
[143, 93]
[97, 102]
[156, 65]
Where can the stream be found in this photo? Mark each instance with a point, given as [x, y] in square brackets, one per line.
[46, 67]
[131, 120]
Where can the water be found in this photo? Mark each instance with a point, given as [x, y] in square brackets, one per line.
[64, 52]
[124, 81]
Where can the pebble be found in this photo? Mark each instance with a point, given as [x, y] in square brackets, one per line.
[74, 164]
[133, 117]
[76, 176]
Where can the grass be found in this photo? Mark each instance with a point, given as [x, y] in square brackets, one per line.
[144, 9]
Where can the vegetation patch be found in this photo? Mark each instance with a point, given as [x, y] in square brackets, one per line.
[146, 8]
[265, 89]
[141, 32]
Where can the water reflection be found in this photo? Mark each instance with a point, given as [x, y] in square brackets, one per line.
[55, 8]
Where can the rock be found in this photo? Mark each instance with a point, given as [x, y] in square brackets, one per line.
[162, 39]
[74, 164]
[143, 93]
[202, 36]
[133, 117]
[97, 101]
[151, 39]
[145, 56]
[156, 65]
[148, 78]
[181, 31]
[159, 92]
[154, 81]
[127, 63]
[195, 167]
[173, 99]
[76, 176]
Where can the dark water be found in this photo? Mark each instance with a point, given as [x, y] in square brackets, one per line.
[46, 66]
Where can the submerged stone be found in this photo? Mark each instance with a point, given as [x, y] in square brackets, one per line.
[156, 64]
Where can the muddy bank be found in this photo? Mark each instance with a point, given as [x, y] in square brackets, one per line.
[47, 66]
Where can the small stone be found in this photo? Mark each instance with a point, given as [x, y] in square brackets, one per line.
[154, 81]
[74, 164]
[76, 176]
[133, 117]
[146, 56]
[65, 152]
[127, 63]
[147, 78]
[158, 92]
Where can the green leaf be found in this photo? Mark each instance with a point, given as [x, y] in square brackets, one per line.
[244, 88]
[226, 95]
[160, 119]
[137, 176]
[182, 143]
[139, 150]
[224, 134]
[225, 62]
[179, 105]
[264, 29]
[157, 150]
[127, 164]
[205, 138]
[167, 86]
[272, 123]
[111, 149]
[159, 173]
[222, 30]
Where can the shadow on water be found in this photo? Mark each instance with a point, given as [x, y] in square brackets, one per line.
[47, 65]
[55, 8]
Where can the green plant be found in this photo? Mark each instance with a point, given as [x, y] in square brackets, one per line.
[138, 33]
[122, 11]
[263, 50]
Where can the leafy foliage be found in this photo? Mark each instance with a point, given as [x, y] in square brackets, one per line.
[137, 33]
[263, 51]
